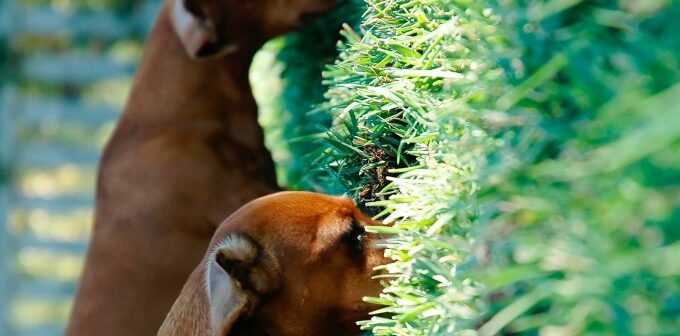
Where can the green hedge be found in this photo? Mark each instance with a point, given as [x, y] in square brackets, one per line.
[580, 217]
[528, 153]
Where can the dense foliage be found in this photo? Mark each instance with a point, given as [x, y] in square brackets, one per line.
[404, 143]
[580, 203]
[287, 81]
[528, 154]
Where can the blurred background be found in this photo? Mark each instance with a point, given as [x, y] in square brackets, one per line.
[65, 70]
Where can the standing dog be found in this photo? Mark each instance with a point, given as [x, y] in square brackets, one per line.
[287, 264]
[186, 153]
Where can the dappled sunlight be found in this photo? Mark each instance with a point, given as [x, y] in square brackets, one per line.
[37, 312]
[72, 66]
[40, 263]
[64, 180]
[266, 83]
[74, 226]
[112, 91]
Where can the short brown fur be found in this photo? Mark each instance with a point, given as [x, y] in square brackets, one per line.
[186, 153]
[318, 281]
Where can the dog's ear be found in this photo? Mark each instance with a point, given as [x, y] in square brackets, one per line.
[197, 30]
[233, 281]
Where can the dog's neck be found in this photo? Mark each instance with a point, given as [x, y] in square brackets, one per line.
[172, 88]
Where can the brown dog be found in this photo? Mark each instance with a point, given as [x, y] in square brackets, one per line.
[187, 152]
[291, 263]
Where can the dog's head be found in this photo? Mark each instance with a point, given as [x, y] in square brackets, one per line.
[209, 27]
[292, 263]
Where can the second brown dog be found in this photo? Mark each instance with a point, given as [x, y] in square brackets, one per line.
[288, 264]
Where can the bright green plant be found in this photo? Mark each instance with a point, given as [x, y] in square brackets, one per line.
[405, 143]
[528, 154]
[289, 85]
[580, 206]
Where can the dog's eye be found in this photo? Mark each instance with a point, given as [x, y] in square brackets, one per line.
[354, 236]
